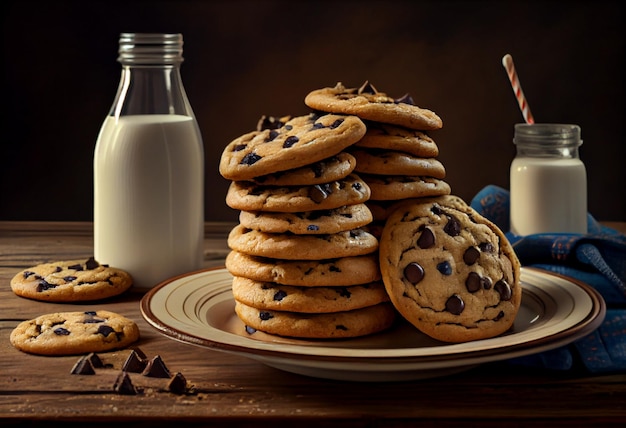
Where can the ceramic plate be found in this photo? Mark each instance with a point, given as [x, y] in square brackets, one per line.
[198, 308]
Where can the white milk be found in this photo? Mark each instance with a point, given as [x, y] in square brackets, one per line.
[548, 195]
[148, 196]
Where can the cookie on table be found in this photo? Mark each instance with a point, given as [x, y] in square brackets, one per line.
[449, 271]
[70, 333]
[330, 169]
[273, 296]
[328, 272]
[300, 141]
[391, 162]
[390, 137]
[70, 281]
[333, 325]
[388, 188]
[336, 220]
[248, 196]
[369, 104]
[301, 247]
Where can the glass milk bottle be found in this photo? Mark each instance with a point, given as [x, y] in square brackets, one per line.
[548, 180]
[149, 167]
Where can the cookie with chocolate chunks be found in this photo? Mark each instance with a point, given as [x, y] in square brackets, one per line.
[449, 271]
[330, 169]
[355, 242]
[300, 141]
[396, 187]
[71, 281]
[317, 222]
[248, 196]
[273, 296]
[369, 104]
[392, 162]
[310, 273]
[390, 137]
[70, 333]
[333, 325]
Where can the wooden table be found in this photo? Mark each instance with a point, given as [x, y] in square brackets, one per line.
[231, 390]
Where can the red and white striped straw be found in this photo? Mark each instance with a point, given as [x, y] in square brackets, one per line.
[507, 62]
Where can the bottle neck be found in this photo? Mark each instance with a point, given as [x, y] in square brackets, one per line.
[547, 140]
[150, 82]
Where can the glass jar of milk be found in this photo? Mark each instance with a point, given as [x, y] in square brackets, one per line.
[149, 167]
[548, 180]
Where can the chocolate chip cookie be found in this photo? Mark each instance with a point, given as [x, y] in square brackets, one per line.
[449, 271]
[71, 281]
[368, 103]
[330, 169]
[70, 333]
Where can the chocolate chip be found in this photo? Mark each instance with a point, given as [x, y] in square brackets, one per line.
[75, 267]
[69, 278]
[264, 315]
[250, 159]
[485, 247]
[290, 141]
[91, 264]
[414, 273]
[367, 88]
[473, 282]
[44, 285]
[317, 125]
[453, 226]
[471, 255]
[58, 269]
[105, 330]
[134, 363]
[83, 367]
[405, 99]
[239, 147]
[343, 292]
[27, 273]
[336, 124]
[92, 313]
[503, 289]
[94, 359]
[123, 385]
[426, 239]
[341, 327]
[445, 268]
[313, 227]
[455, 304]
[250, 330]
[61, 331]
[178, 384]
[317, 194]
[156, 368]
[279, 295]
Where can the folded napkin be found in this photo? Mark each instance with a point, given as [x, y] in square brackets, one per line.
[597, 258]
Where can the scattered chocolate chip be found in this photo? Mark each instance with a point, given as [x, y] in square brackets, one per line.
[156, 368]
[61, 331]
[471, 255]
[177, 384]
[123, 385]
[95, 360]
[426, 239]
[445, 268]
[279, 295]
[414, 273]
[250, 159]
[503, 289]
[134, 363]
[455, 304]
[83, 367]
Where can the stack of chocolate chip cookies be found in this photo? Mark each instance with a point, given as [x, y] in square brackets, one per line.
[303, 263]
[395, 157]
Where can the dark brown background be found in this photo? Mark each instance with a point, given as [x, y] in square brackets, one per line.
[248, 58]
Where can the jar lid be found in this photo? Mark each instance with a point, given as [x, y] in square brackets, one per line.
[150, 48]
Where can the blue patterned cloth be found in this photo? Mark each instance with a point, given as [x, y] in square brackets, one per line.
[597, 258]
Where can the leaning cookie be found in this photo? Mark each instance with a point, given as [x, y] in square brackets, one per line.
[333, 325]
[71, 333]
[70, 281]
[449, 271]
[369, 104]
